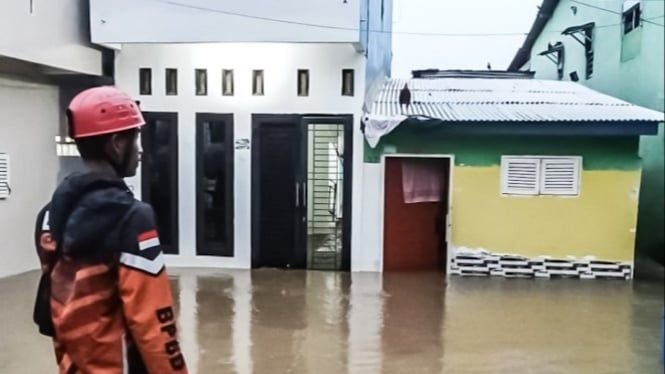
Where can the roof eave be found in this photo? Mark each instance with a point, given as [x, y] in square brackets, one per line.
[549, 128]
[544, 14]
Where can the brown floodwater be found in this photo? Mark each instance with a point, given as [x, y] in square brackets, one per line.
[271, 321]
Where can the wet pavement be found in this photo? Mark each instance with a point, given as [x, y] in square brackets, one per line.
[272, 321]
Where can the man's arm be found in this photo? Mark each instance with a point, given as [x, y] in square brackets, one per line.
[44, 243]
[146, 295]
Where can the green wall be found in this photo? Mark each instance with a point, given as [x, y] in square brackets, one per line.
[599, 153]
[630, 67]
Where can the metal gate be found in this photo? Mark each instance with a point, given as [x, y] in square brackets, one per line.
[325, 181]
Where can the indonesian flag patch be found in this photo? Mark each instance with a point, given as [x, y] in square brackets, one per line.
[148, 258]
[148, 240]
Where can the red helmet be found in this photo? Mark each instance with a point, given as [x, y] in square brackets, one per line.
[103, 110]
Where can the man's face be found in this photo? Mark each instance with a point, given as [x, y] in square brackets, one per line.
[127, 151]
[134, 156]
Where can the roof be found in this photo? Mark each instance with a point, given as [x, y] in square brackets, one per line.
[523, 55]
[507, 100]
[496, 74]
[515, 102]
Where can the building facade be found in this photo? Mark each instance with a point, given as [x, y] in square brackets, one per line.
[45, 58]
[533, 178]
[615, 47]
[253, 153]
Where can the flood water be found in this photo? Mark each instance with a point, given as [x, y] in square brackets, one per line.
[271, 321]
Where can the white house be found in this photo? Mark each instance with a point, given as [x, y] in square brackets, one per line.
[44, 59]
[253, 156]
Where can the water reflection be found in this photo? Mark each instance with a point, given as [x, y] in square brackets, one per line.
[413, 320]
[278, 317]
[214, 298]
[272, 321]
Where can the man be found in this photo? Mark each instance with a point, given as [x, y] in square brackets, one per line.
[104, 295]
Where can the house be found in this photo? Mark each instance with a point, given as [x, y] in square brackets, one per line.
[253, 149]
[615, 47]
[531, 177]
[45, 59]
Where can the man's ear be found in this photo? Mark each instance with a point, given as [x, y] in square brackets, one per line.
[114, 147]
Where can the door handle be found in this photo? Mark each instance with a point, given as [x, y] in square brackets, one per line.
[297, 195]
[304, 194]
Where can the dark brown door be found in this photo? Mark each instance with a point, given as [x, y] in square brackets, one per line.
[414, 234]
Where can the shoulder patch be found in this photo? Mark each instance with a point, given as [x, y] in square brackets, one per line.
[142, 250]
[138, 262]
[148, 240]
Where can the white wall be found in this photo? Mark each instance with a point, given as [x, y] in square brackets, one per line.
[27, 129]
[190, 21]
[280, 63]
[53, 34]
[370, 257]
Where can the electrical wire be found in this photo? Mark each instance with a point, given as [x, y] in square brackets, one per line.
[330, 27]
[341, 28]
[645, 20]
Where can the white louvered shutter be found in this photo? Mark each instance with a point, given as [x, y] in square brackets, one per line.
[520, 175]
[560, 176]
[4, 176]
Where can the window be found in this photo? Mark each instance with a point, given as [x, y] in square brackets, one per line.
[214, 182]
[540, 175]
[257, 83]
[348, 82]
[303, 82]
[145, 81]
[632, 14]
[5, 188]
[171, 82]
[227, 82]
[201, 76]
[159, 174]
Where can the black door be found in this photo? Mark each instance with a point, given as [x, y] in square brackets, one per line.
[277, 196]
[301, 191]
[159, 174]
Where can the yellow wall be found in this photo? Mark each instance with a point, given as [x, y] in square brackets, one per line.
[600, 222]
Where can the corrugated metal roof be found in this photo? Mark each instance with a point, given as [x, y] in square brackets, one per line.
[506, 100]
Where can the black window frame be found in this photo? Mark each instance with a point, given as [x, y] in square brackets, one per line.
[173, 179]
[171, 73]
[231, 90]
[255, 86]
[303, 74]
[202, 247]
[632, 18]
[349, 91]
[198, 90]
[145, 81]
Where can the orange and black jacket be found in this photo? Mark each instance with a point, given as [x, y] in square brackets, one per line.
[104, 295]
